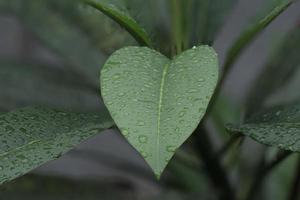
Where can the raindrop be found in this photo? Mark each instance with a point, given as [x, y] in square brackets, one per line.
[182, 113]
[201, 110]
[141, 123]
[144, 154]
[109, 103]
[278, 113]
[143, 139]
[125, 132]
[116, 77]
[121, 94]
[171, 148]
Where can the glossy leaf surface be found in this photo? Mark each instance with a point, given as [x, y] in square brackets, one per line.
[33, 136]
[157, 103]
[279, 127]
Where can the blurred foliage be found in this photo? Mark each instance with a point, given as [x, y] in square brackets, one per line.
[207, 18]
[81, 38]
[282, 66]
[278, 184]
[41, 85]
[37, 187]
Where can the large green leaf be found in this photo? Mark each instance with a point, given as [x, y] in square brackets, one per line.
[157, 103]
[33, 136]
[279, 127]
[122, 18]
[249, 34]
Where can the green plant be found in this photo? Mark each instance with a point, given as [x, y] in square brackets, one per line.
[157, 95]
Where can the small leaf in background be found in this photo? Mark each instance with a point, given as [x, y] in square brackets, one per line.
[157, 103]
[123, 19]
[32, 136]
[278, 127]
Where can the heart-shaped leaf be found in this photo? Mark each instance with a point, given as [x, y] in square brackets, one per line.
[157, 103]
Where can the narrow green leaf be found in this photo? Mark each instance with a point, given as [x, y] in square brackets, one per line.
[279, 127]
[280, 181]
[157, 103]
[33, 136]
[283, 65]
[123, 19]
[248, 35]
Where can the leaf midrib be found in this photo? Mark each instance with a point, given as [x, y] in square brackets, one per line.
[20, 147]
[161, 92]
[43, 141]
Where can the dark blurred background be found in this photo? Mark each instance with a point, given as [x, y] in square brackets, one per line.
[51, 54]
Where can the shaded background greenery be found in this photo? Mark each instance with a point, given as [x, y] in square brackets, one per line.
[51, 53]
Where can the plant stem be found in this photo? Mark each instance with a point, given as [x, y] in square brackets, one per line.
[294, 193]
[213, 166]
[232, 140]
[177, 25]
[264, 172]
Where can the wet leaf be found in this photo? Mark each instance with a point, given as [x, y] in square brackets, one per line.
[157, 103]
[32, 136]
[279, 127]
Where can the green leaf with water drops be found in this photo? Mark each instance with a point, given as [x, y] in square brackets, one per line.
[279, 127]
[157, 102]
[32, 136]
